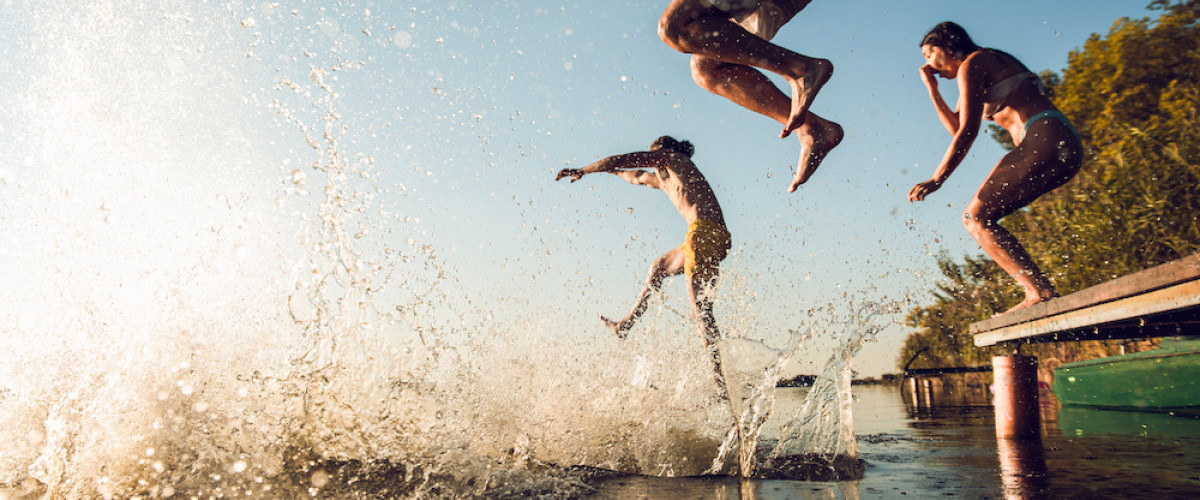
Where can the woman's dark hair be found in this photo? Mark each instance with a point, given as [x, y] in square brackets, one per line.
[951, 38]
[671, 143]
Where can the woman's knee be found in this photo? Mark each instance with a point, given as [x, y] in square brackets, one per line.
[976, 222]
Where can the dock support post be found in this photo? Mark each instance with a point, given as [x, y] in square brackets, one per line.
[1016, 397]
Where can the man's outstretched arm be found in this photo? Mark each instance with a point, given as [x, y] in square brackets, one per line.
[628, 166]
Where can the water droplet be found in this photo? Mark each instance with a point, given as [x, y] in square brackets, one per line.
[402, 39]
[298, 177]
[248, 22]
[319, 479]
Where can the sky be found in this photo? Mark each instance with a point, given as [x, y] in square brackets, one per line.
[464, 111]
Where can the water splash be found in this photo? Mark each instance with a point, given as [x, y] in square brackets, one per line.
[817, 440]
[221, 291]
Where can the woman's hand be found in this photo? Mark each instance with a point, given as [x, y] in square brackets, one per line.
[929, 77]
[920, 191]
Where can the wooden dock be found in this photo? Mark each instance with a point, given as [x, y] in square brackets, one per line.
[1156, 302]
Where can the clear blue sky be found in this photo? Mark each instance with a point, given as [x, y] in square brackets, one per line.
[473, 106]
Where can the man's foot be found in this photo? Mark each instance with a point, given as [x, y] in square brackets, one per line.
[620, 329]
[814, 145]
[804, 90]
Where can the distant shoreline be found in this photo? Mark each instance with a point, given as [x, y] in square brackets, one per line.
[808, 380]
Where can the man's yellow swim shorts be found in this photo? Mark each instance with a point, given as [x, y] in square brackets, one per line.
[706, 245]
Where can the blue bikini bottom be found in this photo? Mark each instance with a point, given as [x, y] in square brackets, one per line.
[1050, 113]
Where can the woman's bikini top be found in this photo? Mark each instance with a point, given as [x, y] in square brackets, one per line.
[995, 97]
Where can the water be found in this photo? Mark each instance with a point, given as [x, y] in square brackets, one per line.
[951, 450]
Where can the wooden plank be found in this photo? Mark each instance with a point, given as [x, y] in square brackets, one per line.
[1171, 273]
[1168, 299]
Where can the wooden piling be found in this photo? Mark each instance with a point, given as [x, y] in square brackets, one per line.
[1016, 397]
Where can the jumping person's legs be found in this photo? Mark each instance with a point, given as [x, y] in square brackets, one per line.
[706, 246]
[700, 291]
[668, 264]
[697, 27]
[752, 90]
[1047, 158]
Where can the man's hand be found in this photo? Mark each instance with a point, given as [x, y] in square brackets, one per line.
[573, 173]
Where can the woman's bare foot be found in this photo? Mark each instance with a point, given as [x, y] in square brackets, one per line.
[815, 143]
[1029, 301]
[804, 90]
[620, 329]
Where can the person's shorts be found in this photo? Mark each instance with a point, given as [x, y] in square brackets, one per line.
[763, 18]
[706, 245]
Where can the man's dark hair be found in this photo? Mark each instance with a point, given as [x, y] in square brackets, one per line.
[671, 143]
[951, 38]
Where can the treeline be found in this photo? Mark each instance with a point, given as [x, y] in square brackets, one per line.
[1134, 95]
[808, 380]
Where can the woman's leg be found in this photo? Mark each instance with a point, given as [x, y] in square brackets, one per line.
[1047, 158]
[668, 264]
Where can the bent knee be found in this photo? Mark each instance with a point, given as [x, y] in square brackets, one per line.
[671, 31]
[706, 72]
[678, 29]
[976, 222]
[666, 265]
[659, 265]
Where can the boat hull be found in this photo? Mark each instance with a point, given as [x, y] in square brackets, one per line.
[1163, 379]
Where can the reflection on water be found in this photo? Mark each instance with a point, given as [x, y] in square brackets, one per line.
[1084, 422]
[1022, 467]
[951, 450]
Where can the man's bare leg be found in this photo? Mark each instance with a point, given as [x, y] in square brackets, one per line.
[668, 264]
[690, 28]
[817, 137]
[700, 292]
[752, 90]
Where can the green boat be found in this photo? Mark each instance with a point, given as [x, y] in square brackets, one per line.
[1162, 379]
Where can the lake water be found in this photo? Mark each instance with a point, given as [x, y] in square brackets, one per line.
[951, 451]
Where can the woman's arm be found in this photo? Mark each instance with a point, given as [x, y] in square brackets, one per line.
[968, 122]
[947, 116]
